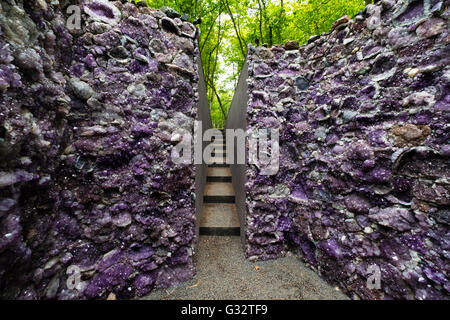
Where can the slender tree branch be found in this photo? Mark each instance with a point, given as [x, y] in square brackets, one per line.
[235, 27]
[218, 98]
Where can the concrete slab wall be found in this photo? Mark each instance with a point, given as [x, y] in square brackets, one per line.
[204, 117]
[237, 120]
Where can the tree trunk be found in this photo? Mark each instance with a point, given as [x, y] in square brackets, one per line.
[260, 22]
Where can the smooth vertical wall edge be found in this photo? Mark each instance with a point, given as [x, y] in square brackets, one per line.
[204, 117]
[237, 120]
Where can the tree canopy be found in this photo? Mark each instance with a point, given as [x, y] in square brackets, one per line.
[228, 26]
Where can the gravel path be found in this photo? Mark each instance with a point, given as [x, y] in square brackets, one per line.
[224, 273]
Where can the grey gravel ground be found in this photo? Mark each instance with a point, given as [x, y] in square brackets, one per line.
[224, 273]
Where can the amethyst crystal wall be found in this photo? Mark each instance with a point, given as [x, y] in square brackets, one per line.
[87, 117]
[363, 114]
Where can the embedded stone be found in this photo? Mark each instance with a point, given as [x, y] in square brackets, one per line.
[400, 219]
[431, 28]
[374, 20]
[184, 61]
[188, 30]
[400, 37]
[291, 45]
[157, 46]
[81, 89]
[171, 13]
[263, 53]
[410, 134]
[357, 203]
[301, 83]
[339, 22]
[28, 59]
[119, 53]
[169, 25]
[103, 11]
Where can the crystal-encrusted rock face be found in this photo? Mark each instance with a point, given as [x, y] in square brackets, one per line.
[364, 144]
[86, 178]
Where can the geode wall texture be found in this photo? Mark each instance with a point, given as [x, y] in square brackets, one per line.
[87, 117]
[363, 113]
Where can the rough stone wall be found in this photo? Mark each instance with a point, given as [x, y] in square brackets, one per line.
[363, 113]
[86, 124]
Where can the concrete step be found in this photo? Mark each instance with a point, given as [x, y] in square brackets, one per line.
[219, 192]
[219, 199]
[218, 172]
[219, 179]
[221, 232]
[219, 189]
[219, 215]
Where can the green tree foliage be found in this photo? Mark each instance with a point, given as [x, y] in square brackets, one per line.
[229, 26]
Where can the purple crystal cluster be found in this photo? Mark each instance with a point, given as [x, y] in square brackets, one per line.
[364, 180]
[87, 116]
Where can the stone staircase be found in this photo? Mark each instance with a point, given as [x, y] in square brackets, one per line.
[219, 216]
